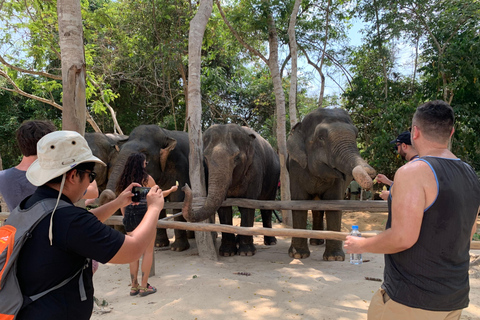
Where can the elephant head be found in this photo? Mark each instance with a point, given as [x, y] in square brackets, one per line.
[228, 154]
[324, 144]
[158, 145]
[106, 148]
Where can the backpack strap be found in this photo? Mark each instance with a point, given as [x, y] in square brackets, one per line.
[47, 206]
[83, 295]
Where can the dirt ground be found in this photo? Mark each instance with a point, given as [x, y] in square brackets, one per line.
[268, 285]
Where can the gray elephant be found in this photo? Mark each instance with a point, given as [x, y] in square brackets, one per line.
[239, 164]
[167, 156]
[322, 160]
[105, 147]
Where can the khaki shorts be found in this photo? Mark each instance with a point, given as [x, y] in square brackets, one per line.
[383, 308]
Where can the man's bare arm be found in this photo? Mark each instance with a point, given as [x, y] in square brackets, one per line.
[410, 196]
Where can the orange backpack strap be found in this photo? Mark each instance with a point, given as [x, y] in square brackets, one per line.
[7, 239]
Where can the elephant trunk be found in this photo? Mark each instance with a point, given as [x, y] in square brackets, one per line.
[218, 185]
[350, 161]
[362, 177]
[108, 194]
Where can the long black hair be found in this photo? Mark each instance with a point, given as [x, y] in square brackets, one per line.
[134, 171]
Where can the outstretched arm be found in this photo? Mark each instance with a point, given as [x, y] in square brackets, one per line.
[411, 194]
[125, 198]
[383, 179]
[136, 242]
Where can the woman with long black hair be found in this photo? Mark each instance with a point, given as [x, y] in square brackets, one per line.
[135, 171]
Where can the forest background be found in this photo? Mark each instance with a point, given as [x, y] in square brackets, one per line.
[137, 66]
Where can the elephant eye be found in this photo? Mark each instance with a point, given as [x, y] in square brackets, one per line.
[236, 157]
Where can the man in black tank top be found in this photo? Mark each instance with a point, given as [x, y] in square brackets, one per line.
[432, 216]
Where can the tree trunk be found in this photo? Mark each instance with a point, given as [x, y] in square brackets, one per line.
[381, 51]
[322, 60]
[272, 63]
[205, 240]
[292, 103]
[70, 30]
[281, 120]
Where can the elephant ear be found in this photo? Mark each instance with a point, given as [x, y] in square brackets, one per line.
[250, 152]
[118, 143]
[296, 145]
[164, 152]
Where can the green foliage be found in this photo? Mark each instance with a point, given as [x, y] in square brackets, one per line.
[16, 109]
[448, 66]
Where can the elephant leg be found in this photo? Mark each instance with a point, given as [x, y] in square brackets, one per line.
[317, 224]
[228, 247]
[299, 247]
[333, 249]
[245, 245]
[181, 242]
[267, 223]
[161, 239]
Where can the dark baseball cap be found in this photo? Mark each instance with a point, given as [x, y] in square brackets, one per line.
[403, 137]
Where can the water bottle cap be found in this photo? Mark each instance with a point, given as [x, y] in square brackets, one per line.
[354, 227]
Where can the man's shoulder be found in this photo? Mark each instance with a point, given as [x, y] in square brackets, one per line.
[12, 173]
[7, 172]
[416, 173]
[413, 167]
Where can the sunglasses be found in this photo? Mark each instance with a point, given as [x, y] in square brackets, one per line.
[92, 175]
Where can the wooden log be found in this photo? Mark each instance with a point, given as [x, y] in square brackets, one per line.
[299, 233]
[353, 205]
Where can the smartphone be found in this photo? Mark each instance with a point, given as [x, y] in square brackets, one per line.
[139, 193]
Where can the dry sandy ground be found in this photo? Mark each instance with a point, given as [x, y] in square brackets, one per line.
[268, 285]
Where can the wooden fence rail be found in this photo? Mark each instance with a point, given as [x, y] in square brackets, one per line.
[350, 205]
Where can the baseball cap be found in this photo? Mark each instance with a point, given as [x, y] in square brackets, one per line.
[403, 137]
[58, 152]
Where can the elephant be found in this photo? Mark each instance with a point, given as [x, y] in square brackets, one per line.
[239, 163]
[167, 156]
[322, 160]
[105, 147]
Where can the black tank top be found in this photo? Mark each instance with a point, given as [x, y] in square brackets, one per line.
[433, 273]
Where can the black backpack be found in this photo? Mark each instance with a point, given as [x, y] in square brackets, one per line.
[13, 235]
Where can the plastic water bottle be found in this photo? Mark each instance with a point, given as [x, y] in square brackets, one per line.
[356, 258]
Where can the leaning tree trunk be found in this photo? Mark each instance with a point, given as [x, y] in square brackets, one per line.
[292, 103]
[70, 30]
[205, 240]
[281, 119]
[272, 63]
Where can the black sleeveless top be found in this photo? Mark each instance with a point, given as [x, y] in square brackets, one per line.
[433, 273]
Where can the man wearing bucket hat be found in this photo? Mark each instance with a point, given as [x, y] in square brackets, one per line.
[61, 242]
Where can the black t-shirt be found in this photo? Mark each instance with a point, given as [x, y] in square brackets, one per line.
[77, 235]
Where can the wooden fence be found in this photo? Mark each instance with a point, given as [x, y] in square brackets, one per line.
[345, 205]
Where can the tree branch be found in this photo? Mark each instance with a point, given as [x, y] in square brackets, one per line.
[38, 73]
[237, 36]
[109, 107]
[50, 102]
